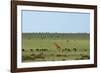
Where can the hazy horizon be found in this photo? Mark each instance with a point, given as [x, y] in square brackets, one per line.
[55, 32]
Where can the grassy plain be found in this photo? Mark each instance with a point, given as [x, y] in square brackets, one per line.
[41, 46]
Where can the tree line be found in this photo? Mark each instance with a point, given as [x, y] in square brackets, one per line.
[56, 35]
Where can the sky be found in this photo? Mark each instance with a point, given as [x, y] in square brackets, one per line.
[61, 22]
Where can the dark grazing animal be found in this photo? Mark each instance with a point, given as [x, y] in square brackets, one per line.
[31, 49]
[23, 49]
[75, 49]
[43, 49]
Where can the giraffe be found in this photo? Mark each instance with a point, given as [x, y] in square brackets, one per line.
[58, 47]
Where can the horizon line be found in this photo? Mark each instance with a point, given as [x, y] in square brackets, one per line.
[55, 32]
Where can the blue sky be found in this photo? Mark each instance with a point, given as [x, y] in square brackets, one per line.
[63, 22]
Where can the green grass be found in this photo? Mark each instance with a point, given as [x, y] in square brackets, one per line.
[69, 41]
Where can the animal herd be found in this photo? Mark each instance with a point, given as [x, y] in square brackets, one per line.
[58, 52]
[57, 47]
[44, 55]
[45, 49]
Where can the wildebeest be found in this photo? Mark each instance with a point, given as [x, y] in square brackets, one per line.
[37, 49]
[31, 49]
[75, 49]
[43, 49]
[85, 49]
[67, 49]
[23, 49]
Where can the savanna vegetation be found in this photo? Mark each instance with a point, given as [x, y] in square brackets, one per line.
[55, 46]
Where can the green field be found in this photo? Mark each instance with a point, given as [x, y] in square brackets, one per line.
[55, 46]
